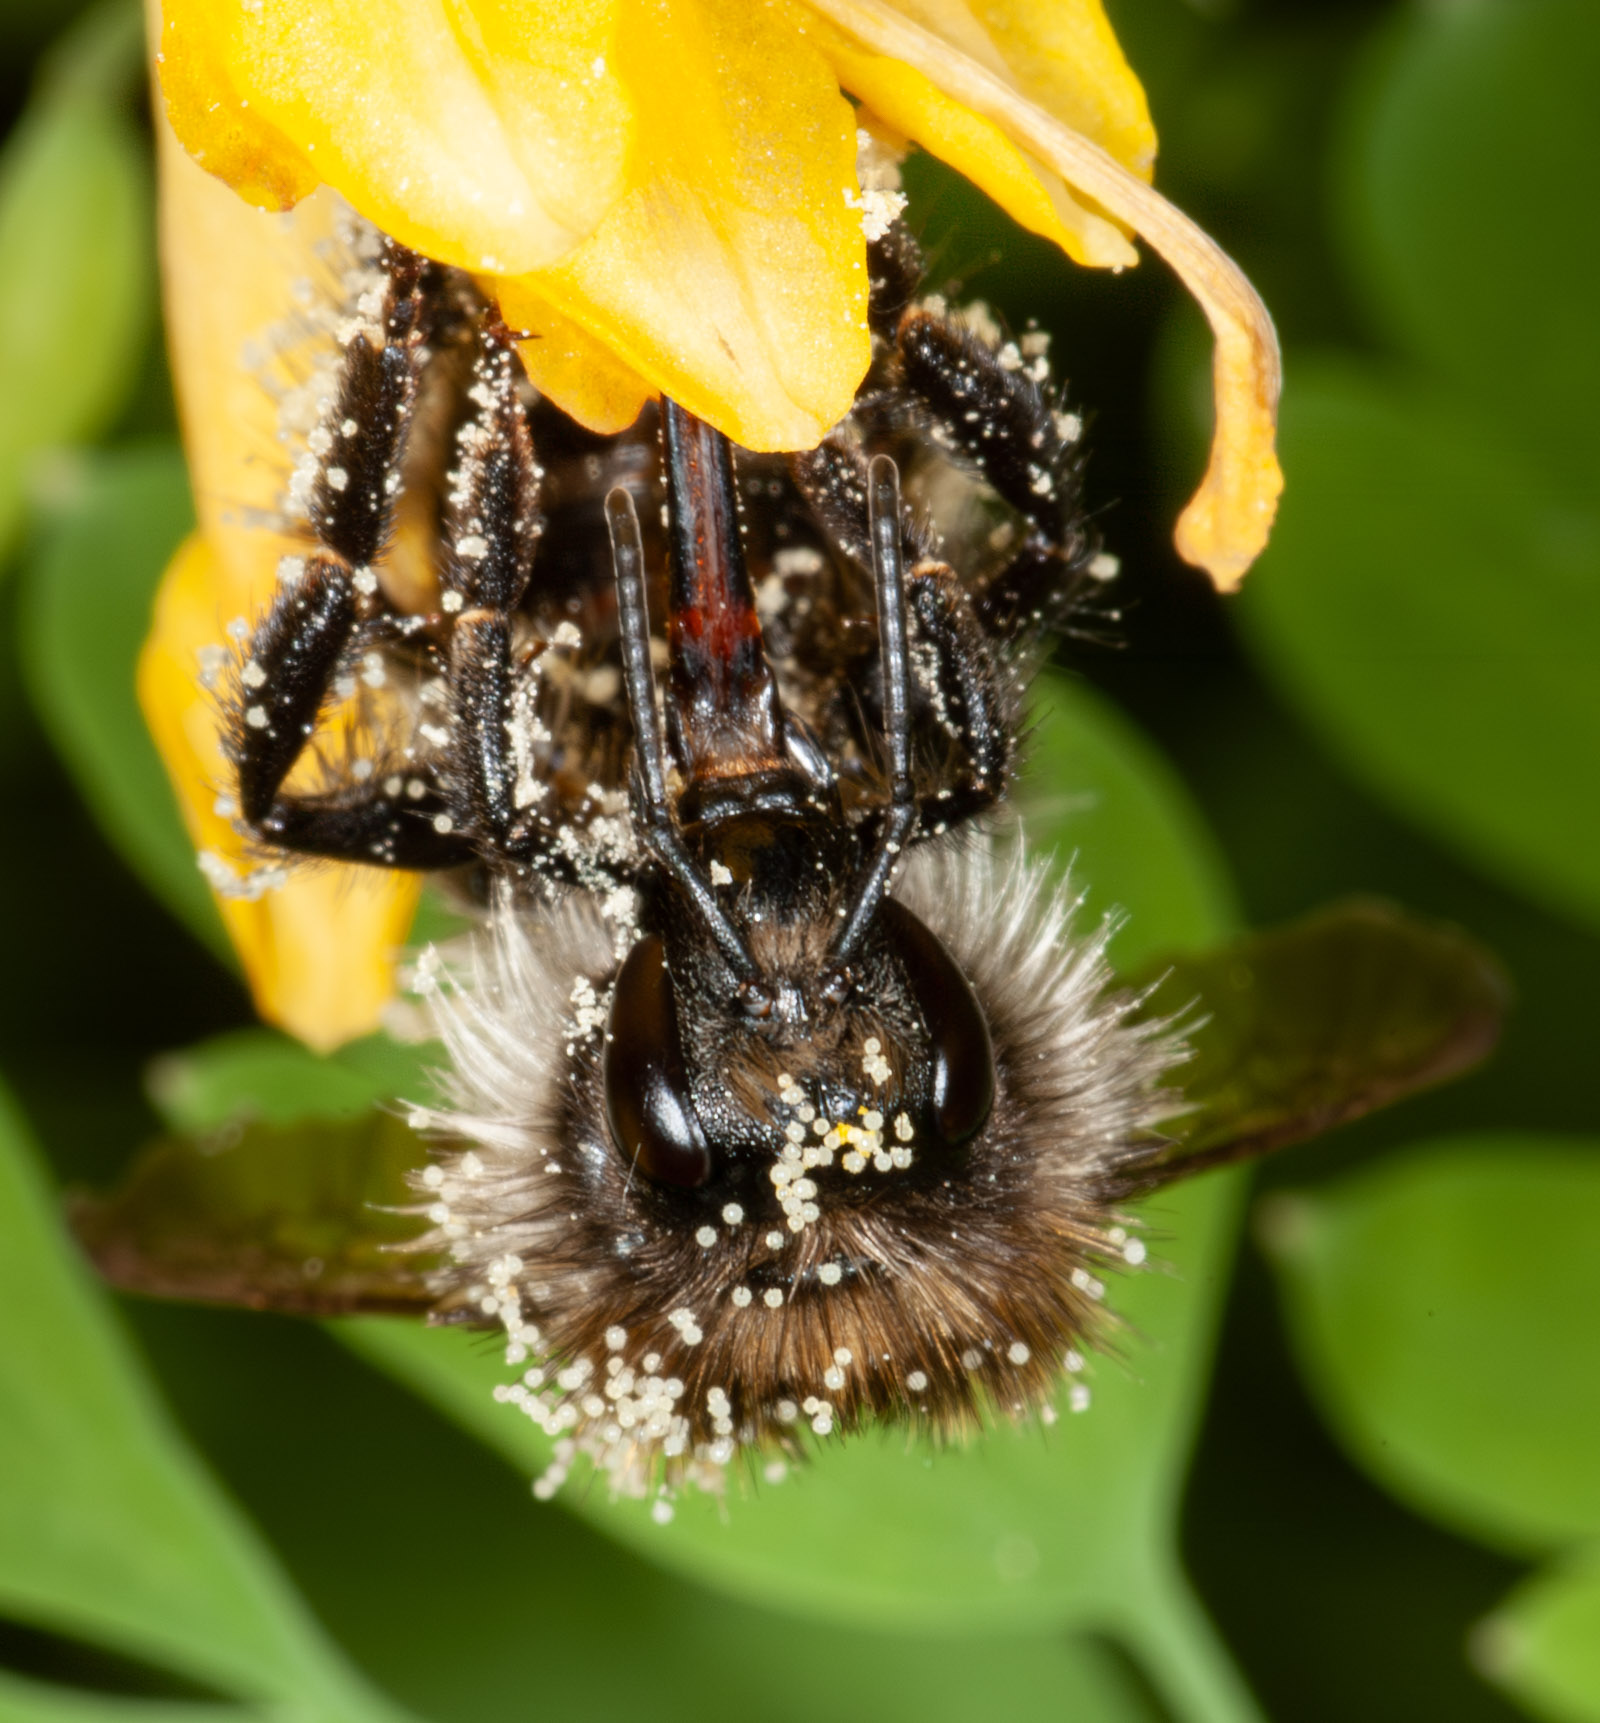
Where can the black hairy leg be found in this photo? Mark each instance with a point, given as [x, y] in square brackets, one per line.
[475, 796]
[298, 647]
[491, 532]
[969, 699]
[894, 273]
[989, 408]
[960, 716]
[402, 822]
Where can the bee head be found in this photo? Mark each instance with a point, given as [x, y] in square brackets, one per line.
[714, 1081]
[891, 1197]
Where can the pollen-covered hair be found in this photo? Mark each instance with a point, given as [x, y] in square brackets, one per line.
[660, 1339]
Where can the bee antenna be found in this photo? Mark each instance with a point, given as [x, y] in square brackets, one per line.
[888, 577]
[650, 777]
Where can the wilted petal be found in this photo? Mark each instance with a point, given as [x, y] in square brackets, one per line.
[1063, 56]
[731, 274]
[319, 951]
[1226, 523]
[979, 151]
[493, 134]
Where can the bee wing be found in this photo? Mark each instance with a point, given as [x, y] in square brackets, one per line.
[314, 1220]
[1301, 1028]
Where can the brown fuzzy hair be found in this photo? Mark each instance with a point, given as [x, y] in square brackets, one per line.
[661, 1342]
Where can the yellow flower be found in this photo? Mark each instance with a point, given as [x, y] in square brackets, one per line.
[664, 193]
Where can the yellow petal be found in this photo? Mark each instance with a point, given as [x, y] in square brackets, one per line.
[492, 134]
[319, 952]
[218, 126]
[979, 151]
[228, 279]
[1226, 523]
[580, 374]
[731, 274]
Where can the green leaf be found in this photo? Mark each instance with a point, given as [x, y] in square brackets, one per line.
[86, 610]
[41, 1702]
[301, 1220]
[856, 1677]
[76, 231]
[1027, 1529]
[1307, 1026]
[1543, 1644]
[1469, 197]
[109, 1528]
[1107, 802]
[257, 1076]
[1435, 610]
[1443, 1308]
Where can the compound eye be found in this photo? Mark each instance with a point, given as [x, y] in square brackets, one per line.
[960, 1054]
[648, 1107]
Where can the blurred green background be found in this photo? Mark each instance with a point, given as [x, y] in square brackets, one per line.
[1349, 1466]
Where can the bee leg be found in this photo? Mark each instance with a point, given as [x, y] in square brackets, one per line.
[296, 649]
[971, 704]
[990, 408]
[894, 272]
[491, 533]
[495, 795]
[833, 479]
[402, 820]
[962, 696]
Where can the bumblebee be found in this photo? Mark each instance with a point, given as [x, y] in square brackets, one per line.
[776, 1100]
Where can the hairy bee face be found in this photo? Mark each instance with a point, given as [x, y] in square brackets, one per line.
[713, 1236]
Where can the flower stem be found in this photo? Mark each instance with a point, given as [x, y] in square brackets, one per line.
[1180, 1650]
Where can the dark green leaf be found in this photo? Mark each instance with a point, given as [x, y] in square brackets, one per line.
[1434, 608]
[300, 1220]
[87, 607]
[1307, 1026]
[109, 1527]
[1444, 1308]
[76, 232]
[1543, 1644]
[1469, 190]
